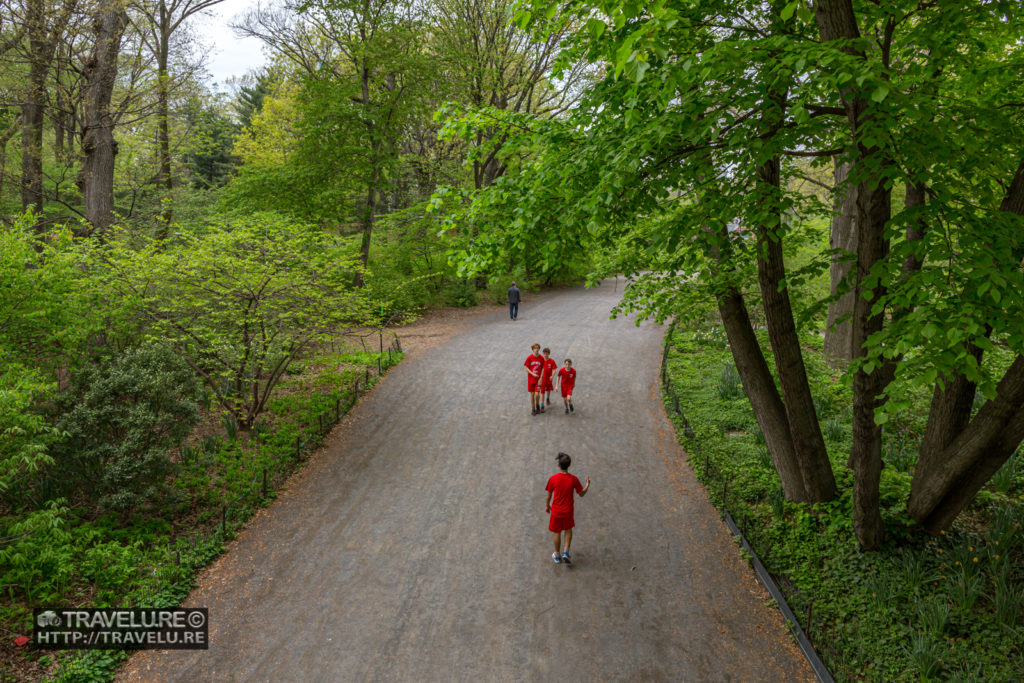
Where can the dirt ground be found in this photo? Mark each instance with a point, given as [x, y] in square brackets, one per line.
[414, 545]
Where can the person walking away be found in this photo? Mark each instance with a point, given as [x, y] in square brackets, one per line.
[566, 383]
[534, 365]
[514, 297]
[547, 379]
[561, 504]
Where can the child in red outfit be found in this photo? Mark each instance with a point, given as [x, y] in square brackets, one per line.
[534, 365]
[547, 378]
[566, 382]
[561, 503]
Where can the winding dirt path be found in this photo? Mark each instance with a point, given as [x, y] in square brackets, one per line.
[415, 546]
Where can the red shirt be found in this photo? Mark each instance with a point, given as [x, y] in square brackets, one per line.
[549, 365]
[562, 485]
[567, 376]
[534, 363]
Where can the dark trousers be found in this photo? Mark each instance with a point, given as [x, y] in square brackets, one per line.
[513, 310]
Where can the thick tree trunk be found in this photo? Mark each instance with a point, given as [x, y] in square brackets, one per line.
[763, 396]
[866, 452]
[935, 493]
[96, 179]
[837, 21]
[815, 468]
[957, 457]
[758, 382]
[838, 344]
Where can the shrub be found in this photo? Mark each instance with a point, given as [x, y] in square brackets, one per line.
[460, 294]
[119, 419]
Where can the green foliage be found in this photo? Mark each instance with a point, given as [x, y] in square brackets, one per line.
[919, 609]
[36, 559]
[460, 294]
[118, 421]
[238, 300]
[209, 152]
[45, 316]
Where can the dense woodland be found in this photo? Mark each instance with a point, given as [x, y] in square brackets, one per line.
[785, 170]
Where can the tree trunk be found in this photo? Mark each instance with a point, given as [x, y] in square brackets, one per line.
[808, 444]
[32, 119]
[977, 474]
[957, 457]
[837, 21]
[838, 344]
[368, 217]
[164, 177]
[763, 396]
[939, 492]
[758, 382]
[96, 179]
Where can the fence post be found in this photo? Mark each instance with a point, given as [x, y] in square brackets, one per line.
[264, 482]
[224, 521]
[381, 333]
[807, 629]
[320, 419]
[298, 447]
[725, 494]
[337, 409]
[367, 383]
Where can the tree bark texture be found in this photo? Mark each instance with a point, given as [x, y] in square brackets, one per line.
[958, 456]
[758, 382]
[808, 444]
[41, 47]
[96, 179]
[838, 343]
[837, 21]
[763, 395]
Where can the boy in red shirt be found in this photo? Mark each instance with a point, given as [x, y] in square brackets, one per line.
[547, 378]
[534, 365]
[560, 504]
[566, 382]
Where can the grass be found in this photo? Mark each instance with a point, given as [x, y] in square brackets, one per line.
[923, 608]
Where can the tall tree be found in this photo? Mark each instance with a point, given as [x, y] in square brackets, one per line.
[704, 104]
[44, 25]
[96, 179]
[360, 63]
[163, 20]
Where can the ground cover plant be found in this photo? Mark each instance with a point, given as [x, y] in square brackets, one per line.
[216, 479]
[944, 607]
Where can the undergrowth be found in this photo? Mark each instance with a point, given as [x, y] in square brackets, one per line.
[922, 608]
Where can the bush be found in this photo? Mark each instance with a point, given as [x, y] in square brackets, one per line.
[460, 294]
[119, 419]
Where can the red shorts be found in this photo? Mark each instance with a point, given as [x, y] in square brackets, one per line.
[561, 523]
[566, 390]
[547, 385]
[532, 383]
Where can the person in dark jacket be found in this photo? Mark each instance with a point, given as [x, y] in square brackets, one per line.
[514, 297]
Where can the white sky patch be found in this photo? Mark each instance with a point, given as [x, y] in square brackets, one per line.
[228, 55]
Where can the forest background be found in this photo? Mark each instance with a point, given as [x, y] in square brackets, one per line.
[832, 181]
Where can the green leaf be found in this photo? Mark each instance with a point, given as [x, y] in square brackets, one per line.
[788, 10]
[880, 93]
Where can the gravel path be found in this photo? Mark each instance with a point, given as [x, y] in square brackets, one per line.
[415, 546]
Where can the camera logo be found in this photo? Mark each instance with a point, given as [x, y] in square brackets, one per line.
[48, 618]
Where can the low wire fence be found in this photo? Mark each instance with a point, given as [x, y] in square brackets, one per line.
[319, 425]
[797, 609]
